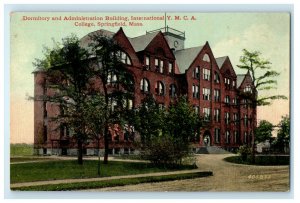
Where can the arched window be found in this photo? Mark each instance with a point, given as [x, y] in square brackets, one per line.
[145, 85]
[159, 88]
[206, 58]
[172, 90]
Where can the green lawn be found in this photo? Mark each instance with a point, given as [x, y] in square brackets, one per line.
[28, 158]
[53, 170]
[113, 183]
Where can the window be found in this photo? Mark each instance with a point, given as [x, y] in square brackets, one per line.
[147, 61]
[195, 90]
[125, 58]
[217, 135]
[245, 120]
[113, 103]
[217, 115]
[111, 78]
[227, 136]
[248, 89]
[227, 83]
[227, 118]
[128, 103]
[206, 74]
[216, 78]
[227, 99]
[196, 109]
[159, 65]
[159, 88]
[161, 106]
[245, 138]
[233, 83]
[206, 114]
[206, 58]
[196, 72]
[172, 90]
[235, 118]
[171, 71]
[217, 95]
[234, 101]
[236, 137]
[206, 94]
[145, 85]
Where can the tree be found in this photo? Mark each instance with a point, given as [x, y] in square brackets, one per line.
[283, 135]
[67, 70]
[166, 134]
[254, 64]
[149, 119]
[112, 72]
[264, 131]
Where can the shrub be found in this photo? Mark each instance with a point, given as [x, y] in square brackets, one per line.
[244, 151]
[166, 151]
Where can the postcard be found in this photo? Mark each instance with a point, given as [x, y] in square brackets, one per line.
[154, 102]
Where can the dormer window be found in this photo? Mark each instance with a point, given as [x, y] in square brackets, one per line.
[206, 58]
[248, 89]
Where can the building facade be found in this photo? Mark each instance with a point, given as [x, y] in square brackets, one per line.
[162, 66]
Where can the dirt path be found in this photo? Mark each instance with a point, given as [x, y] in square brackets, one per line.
[227, 177]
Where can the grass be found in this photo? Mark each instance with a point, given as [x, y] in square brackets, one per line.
[23, 159]
[261, 160]
[66, 169]
[21, 149]
[112, 183]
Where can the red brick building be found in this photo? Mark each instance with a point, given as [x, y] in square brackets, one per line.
[161, 65]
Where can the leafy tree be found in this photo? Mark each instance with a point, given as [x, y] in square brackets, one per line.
[116, 81]
[264, 131]
[283, 135]
[166, 133]
[255, 65]
[149, 120]
[67, 70]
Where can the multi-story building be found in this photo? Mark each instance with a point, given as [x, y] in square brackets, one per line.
[162, 66]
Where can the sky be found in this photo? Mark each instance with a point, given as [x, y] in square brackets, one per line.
[226, 33]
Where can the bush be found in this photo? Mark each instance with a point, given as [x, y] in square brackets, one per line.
[244, 151]
[166, 151]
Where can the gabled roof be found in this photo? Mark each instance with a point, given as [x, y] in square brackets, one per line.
[221, 60]
[239, 79]
[185, 57]
[141, 42]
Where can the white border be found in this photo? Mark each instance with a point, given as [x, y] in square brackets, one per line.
[4, 97]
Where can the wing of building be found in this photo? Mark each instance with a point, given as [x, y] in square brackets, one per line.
[162, 66]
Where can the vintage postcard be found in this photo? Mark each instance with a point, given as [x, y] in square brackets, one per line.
[155, 102]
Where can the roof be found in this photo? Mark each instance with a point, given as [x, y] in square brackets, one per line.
[141, 42]
[185, 57]
[239, 79]
[221, 60]
[86, 40]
